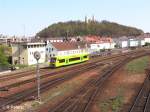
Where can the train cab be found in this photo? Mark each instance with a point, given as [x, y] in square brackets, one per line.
[53, 62]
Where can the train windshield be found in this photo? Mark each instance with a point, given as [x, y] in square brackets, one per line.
[53, 60]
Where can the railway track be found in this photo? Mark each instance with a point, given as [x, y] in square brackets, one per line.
[147, 106]
[31, 72]
[82, 100]
[19, 97]
[142, 101]
[46, 74]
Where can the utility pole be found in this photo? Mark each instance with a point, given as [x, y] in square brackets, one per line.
[37, 56]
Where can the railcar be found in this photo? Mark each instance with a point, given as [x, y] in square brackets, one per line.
[58, 61]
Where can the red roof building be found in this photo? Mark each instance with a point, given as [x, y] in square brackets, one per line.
[98, 39]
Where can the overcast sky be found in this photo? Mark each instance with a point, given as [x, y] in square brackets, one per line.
[19, 17]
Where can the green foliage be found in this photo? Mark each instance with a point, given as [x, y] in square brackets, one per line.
[3, 56]
[114, 104]
[117, 103]
[147, 44]
[137, 65]
[21, 66]
[79, 28]
[105, 106]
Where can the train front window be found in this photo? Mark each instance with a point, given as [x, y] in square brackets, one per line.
[53, 60]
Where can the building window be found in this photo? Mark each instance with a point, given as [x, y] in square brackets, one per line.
[52, 49]
[46, 49]
[24, 46]
[50, 55]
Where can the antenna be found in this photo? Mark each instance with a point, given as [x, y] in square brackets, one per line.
[93, 18]
[24, 30]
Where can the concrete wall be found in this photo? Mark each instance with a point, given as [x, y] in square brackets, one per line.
[19, 54]
[30, 52]
[22, 54]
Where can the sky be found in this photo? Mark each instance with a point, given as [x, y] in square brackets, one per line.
[27, 17]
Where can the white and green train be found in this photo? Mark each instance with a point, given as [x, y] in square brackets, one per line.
[58, 61]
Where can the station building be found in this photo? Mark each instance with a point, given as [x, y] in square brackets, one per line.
[65, 48]
[23, 53]
[103, 43]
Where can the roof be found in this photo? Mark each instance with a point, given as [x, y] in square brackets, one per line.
[98, 39]
[61, 46]
[29, 43]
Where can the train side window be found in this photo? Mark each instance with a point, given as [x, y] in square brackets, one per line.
[74, 59]
[62, 61]
[84, 56]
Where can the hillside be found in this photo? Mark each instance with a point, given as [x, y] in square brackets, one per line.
[79, 28]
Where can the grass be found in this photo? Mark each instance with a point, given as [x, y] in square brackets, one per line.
[113, 104]
[21, 66]
[137, 65]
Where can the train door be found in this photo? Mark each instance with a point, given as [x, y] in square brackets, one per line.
[67, 61]
[81, 58]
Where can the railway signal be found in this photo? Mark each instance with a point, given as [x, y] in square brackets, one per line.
[37, 56]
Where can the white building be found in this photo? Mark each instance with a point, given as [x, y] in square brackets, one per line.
[133, 43]
[65, 48]
[23, 53]
[122, 42]
[143, 42]
[147, 40]
[100, 46]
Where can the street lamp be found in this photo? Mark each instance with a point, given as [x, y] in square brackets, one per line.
[37, 56]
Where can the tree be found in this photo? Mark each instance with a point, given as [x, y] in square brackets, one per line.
[3, 56]
[3, 59]
[147, 44]
[79, 28]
